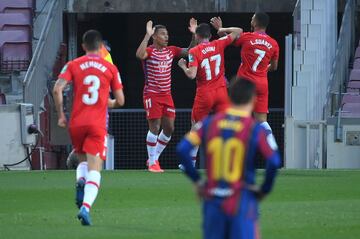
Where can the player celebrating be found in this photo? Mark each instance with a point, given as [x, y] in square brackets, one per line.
[229, 142]
[92, 76]
[259, 54]
[206, 64]
[158, 103]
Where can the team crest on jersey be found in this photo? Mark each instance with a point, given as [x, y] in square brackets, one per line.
[63, 70]
[191, 58]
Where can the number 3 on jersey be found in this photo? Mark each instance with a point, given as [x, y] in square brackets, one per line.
[93, 91]
[206, 64]
[261, 55]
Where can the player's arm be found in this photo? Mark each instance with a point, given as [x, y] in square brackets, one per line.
[119, 100]
[58, 98]
[190, 72]
[216, 22]
[141, 52]
[192, 28]
[274, 59]
[233, 32]
[183, 150]
[269, 150]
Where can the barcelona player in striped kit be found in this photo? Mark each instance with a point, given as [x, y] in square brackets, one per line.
[229, 142]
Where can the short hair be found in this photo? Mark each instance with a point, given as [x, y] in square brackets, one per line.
[262, 19]
[203, 30]
[158, 27]
[241, 91]
[92, 40]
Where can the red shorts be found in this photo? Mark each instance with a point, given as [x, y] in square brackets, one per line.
[209, 100]
[158, 106]
[262, 94]
[89, 139]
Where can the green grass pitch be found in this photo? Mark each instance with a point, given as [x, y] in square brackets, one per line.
[137, 204]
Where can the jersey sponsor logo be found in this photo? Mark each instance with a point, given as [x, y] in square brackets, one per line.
[93, 64]
[272, 142]
[208, 49]
[63, 70]
[261, 42]
[191, 58]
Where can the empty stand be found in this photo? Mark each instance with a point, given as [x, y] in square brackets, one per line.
[351, 110]
[15, 34]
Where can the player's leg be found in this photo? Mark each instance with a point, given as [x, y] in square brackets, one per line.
[153, 114]
[244, 223]
[95, 148]
[203, 104]
[214, 221]
[77, 135]
[81, 175]
[167, 124]
[261, 106]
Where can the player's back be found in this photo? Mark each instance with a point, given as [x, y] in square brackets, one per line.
[91, 76]
[209, 58]
[257, 50]
[229, 152]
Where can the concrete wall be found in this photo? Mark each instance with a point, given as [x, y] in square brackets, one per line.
[11, 148]
[133, 6]
[344, 154]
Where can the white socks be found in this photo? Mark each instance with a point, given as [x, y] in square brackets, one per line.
[151, 140]
[161, 144]
[91, 188]
[82, 171]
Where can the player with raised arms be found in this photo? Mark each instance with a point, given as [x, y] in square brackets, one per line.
[207, 65]
[157, 62]
[92, 77]
[259, 54]
[228, 142]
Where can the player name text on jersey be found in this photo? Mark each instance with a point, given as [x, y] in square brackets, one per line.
[261, 42]
[93, 64]
[208, 49]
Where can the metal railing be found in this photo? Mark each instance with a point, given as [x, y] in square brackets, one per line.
[340, 67]
[40, 69]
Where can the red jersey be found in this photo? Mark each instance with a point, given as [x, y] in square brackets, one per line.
[208, 57]
[92, 76]
[257, 50]
[157, 69]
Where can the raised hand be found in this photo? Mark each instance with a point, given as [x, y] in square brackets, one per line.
[182, 63]
[216, 22]
[192, 25]
[150, 30]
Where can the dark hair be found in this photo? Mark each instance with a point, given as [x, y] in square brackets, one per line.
[158, 27]
[241, 91]
[262, 19]
[203, 30]
[92, 40]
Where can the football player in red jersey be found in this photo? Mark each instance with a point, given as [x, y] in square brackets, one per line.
[91, 76]
[259, 54]
[157, 61]
[206, 64]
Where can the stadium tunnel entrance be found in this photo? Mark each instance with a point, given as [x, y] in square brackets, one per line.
[125, 31]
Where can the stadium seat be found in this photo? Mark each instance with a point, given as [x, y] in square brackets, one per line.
[351, 98]
[6, 4]
[356, 64]
[13, 19]
[26, 12]
[351, 110]
[15, 56]
[355, 75]
[13, 36]
[354, 85]
[357, 52]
